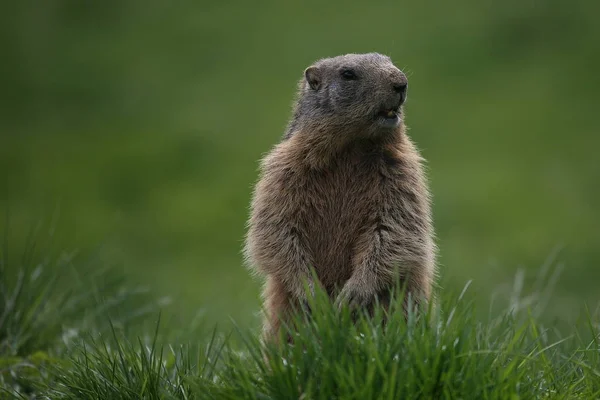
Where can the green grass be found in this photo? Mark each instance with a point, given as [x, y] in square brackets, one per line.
[49, 299]
[102, 341]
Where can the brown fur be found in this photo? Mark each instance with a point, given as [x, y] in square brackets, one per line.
[343, 193]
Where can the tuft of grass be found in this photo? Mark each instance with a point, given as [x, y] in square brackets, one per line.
[47, 301]
[438, 353]
[443, 353]
[128, 370]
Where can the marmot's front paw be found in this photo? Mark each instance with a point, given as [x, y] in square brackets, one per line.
[304, 292]
[355, 296]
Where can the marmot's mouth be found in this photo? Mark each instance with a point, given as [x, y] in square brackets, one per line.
[389, 116]
[391, 113]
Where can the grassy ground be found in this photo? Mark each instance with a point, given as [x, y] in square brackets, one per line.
[101, 340]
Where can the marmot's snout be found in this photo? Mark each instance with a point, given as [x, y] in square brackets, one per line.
[389, 113]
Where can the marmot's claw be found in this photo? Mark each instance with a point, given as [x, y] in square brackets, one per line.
[305, 306]
[311, 288]
[341, 300]
[302, 294]
[353, 299]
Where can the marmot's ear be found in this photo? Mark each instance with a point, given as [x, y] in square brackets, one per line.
[313, 77]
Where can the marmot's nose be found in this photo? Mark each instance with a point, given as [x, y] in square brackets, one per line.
[400, 88]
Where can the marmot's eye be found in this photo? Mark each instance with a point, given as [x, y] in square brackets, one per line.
[349, 74]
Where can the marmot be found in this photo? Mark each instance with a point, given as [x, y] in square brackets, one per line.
[344, 192]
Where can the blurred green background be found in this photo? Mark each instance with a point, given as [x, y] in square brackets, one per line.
[139, 124]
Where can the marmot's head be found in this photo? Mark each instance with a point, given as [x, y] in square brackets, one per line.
[353, 93]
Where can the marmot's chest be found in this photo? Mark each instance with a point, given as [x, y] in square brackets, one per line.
[341, 195]
[336, 205]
